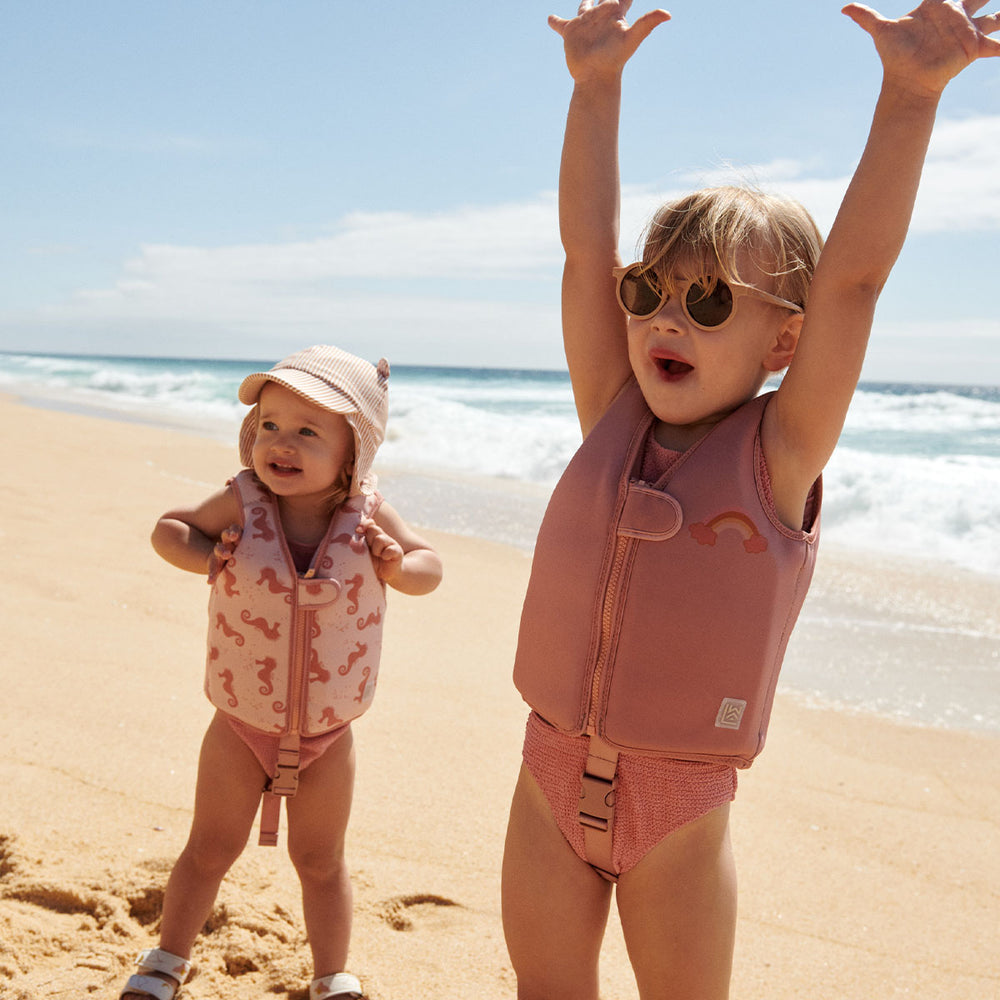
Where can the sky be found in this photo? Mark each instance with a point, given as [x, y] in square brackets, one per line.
[207, 178]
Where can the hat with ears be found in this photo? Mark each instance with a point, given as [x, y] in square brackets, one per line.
[339, 382]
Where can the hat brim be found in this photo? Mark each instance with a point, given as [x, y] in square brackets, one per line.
[303, 384]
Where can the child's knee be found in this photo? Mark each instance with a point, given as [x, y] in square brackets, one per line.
[212, 856]
[318, 863]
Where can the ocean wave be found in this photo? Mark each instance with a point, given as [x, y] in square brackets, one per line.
[917, 471]
[936, 507]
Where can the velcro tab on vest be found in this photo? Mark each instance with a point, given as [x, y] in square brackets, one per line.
[318, 592]
[650, 514]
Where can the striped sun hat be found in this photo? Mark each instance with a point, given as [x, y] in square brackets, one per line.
[337, 381]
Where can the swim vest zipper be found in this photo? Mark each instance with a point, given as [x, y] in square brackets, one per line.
[607, 621]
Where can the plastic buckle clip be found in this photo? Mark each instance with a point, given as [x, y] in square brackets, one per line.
[597, 801]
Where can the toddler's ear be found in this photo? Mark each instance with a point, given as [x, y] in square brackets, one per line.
[782, 350]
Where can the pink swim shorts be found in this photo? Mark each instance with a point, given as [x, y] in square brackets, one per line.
[265, 745]
[654, 795]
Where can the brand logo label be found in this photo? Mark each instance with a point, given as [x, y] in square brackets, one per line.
[730, 713]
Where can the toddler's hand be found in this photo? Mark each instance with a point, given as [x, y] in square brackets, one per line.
[223, 551]
[932, 44]
[598, 41]
[387, 553]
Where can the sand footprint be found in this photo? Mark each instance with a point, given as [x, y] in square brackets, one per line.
[399, 912]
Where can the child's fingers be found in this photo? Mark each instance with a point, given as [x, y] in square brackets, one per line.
[986, 25]
[644, 25]
[864, 17]
[232, 534]
[557, 24]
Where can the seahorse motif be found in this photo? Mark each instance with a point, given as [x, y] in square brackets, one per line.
[268, 631]
[269, 575]
[352, 658]
[328, 717]
[260, 523]
[344, 538]
[227, 630]
[268, 666]
[373, 619]
[228, 578]
[360, 696]
[213, 653]
[317, 672]
[227, 686]
[353, 591]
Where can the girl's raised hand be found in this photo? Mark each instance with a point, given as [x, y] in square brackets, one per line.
[932, 44]
[599, 41]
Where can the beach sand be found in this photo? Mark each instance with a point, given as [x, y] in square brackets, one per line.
[868, 850]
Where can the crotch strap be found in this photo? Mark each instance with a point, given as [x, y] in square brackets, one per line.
[597, 807]
[283, 784]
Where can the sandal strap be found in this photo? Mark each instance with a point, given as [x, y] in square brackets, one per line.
[150, 986]
[342, 984]
[158, 960]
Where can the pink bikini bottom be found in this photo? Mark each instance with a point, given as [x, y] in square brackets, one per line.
[265, 745]
[654, 795]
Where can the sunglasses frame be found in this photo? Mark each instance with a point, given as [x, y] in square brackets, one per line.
[737, 290]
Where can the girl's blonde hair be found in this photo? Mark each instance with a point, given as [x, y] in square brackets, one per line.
[715, 229]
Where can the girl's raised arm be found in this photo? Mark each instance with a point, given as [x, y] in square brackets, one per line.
[920, 53]
[598, 42]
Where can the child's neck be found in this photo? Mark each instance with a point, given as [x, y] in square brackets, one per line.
[679, 437]
[302, 521]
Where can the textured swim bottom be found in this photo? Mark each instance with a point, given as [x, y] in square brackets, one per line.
[265, 745]
[654, 796]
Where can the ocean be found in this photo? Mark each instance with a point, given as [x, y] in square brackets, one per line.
[477, 451]
[917, 471]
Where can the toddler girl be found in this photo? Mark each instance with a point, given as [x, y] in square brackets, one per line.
[298, 548]
[677, 548]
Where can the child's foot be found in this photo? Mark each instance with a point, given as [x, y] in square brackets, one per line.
[342, 986]
[160, 975]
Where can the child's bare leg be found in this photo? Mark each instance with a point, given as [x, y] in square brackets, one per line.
[678, 912]
[555, 907]
[230, 780]
[317, 824]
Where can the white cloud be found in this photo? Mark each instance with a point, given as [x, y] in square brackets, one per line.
[468, 284]
[959, 190]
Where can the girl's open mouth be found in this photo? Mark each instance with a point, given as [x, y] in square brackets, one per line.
[673, 368]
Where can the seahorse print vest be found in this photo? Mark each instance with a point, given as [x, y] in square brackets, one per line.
[290, 653]
[657, 614]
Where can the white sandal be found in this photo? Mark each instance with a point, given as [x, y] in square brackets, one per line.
[343, 984]
[157, 960]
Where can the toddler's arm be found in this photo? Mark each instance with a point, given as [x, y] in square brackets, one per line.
[920, 53]
[187, 536]
[403, 560]
[597, 44]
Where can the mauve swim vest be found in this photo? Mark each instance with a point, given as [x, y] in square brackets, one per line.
[657, 615]
[290, 653]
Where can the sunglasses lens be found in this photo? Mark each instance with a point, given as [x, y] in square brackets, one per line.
[639, 293]
[709, 308]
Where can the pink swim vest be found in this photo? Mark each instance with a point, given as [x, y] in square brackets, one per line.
[289, 653]
[657, 615]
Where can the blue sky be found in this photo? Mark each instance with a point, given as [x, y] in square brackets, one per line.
[222, 179]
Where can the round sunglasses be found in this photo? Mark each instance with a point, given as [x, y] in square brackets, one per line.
[640, 295]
